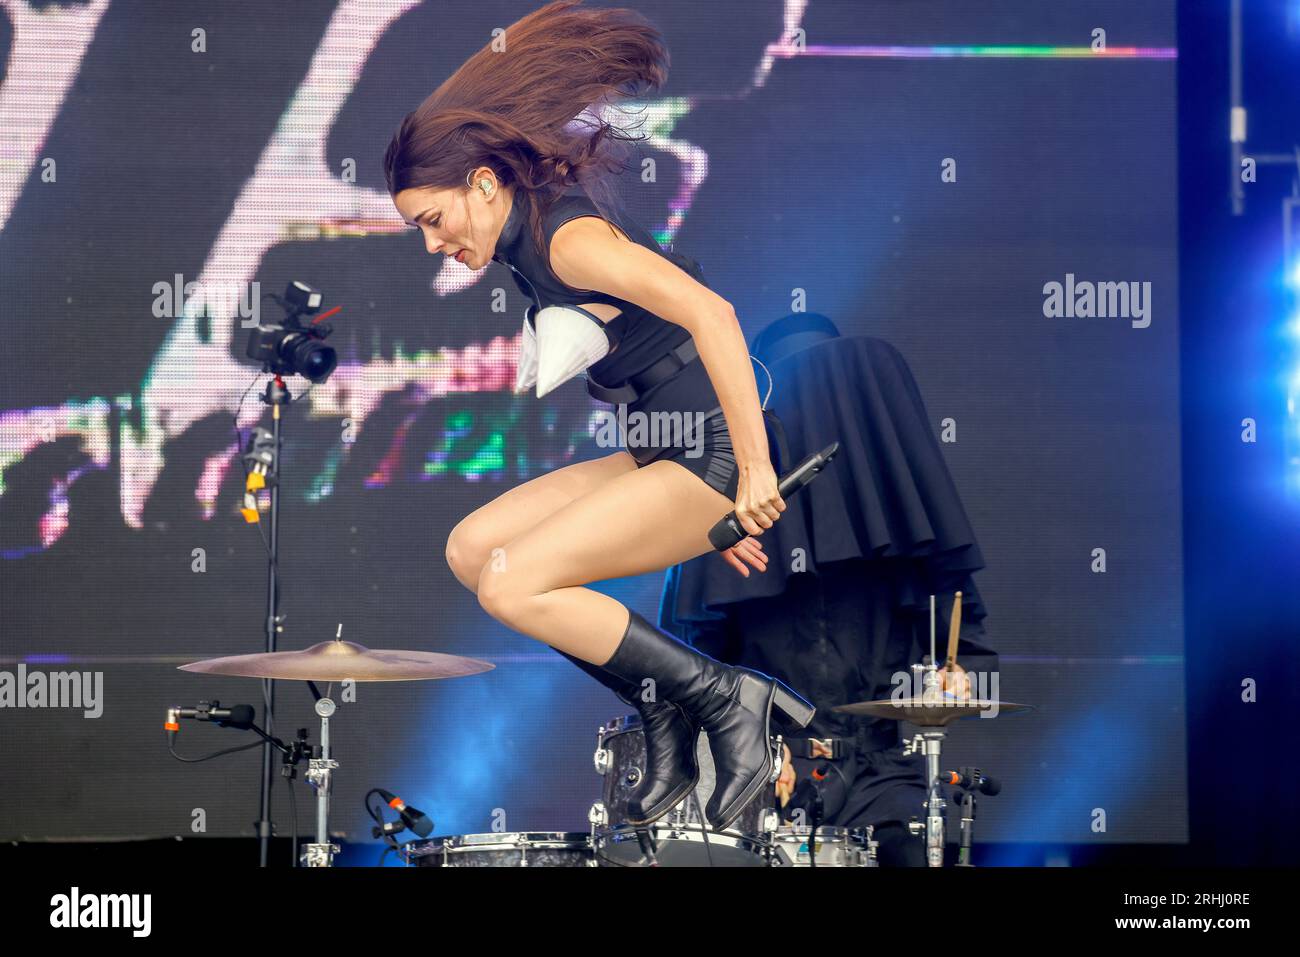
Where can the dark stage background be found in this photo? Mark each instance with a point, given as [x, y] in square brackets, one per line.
[804, 181]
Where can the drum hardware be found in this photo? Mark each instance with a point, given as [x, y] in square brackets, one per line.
[601, 760]
[319, 771]
[241, 717]
[930, 743]
[944, 698]
[933, 717]
[329, 662]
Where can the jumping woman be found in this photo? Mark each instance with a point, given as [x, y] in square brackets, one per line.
[490, 168]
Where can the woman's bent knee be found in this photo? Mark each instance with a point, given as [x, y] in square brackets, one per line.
[465, 557]
[498, 594]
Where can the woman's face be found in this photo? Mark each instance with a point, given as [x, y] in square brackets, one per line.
[460, 223]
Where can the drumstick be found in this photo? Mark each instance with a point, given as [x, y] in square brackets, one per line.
[954, 626]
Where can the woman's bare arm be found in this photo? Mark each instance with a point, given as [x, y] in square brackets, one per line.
[586, 254]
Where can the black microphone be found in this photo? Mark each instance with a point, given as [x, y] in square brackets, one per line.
[807, 794]
[728, 531]
[972, 779]
[239, 716]
[415, 820]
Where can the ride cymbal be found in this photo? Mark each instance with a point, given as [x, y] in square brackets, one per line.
[928, 714]
[342, 661]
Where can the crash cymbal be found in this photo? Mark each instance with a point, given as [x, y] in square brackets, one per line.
[930, 714]
[342, 661]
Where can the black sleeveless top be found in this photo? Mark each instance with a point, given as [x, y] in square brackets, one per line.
[638, 337]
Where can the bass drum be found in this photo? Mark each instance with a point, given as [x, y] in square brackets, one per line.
[520, 849]
[679, 838]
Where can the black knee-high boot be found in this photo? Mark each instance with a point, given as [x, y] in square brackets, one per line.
[671, 768]
[734, 705]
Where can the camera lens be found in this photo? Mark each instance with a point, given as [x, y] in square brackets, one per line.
[307, 357]
[313, 359]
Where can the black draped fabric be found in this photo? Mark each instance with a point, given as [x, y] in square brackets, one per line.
[843, 609]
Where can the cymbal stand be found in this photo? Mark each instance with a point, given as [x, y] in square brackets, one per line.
[930, 742]
[319, 771]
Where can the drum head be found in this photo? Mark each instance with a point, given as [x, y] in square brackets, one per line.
[507, 849]
[677, 847]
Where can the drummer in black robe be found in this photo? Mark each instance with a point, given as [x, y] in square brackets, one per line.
[843, 609]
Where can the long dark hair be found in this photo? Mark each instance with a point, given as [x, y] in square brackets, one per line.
[517, 110]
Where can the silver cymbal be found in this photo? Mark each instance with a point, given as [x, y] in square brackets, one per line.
[342, 661]
[930, 714]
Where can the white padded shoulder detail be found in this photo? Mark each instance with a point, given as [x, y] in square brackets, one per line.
[569, 340]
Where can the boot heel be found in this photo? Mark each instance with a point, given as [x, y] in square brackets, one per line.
[794, 708]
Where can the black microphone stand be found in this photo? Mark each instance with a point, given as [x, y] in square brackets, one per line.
[818, 812]
[813, 803]
[277, 397]
[967, 827]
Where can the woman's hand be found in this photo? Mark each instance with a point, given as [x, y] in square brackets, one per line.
[789, 779]
[786, 782]
[758, 504]
[746, 550]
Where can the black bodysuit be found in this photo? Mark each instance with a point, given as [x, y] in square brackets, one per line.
[657, 420]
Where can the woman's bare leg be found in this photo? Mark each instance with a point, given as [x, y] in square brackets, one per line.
[640, 521]
[510, 514]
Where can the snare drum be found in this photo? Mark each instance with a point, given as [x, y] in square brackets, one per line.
[834, 847]
[515, 849]
[680, 838]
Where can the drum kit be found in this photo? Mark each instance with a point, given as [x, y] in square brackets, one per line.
[682, 837]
